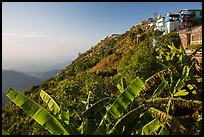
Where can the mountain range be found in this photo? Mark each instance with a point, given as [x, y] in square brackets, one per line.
[43, 75]
[16, 80]
[25, 79]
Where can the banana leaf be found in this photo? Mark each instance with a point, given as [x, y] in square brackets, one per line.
[157, 76]
[180, 84]
[37, 112]
[121, 87]
[170, 120]
[117, 108]
[159, 89]
[88, 126]
[185, 71]
[95, 107]
[179, 102]
[88, 100]
[181, 93]
[62, 115]
[53, 106]
[4, 132]
[127, 119]
[150, 127]
[163, 131]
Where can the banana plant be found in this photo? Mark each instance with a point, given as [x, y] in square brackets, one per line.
[120, 104]
[61, 115]
[37, 112]
[115, 119]
[145, 105]
[59, 123]
[88, 125]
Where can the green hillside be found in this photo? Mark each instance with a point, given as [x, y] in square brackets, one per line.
[98, 71]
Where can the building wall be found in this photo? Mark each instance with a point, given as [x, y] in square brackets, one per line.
[160, 25]
[160, 22]
[196, 36]
[171, 26]
[191, 36]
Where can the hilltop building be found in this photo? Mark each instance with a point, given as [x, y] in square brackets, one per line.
[150, 23]
[160, 24]
[172, 22]
[197, 13]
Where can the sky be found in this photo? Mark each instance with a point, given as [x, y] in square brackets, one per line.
[40, 34]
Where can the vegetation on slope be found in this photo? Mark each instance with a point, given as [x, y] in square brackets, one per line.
[98, 71]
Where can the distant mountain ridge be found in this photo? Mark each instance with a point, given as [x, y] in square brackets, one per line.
[46, 73]
[16, 80]
[24, 80]
[43, 75]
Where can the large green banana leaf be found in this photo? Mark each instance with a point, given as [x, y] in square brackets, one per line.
[117, 108]
[53, 106]
[123, 120]
[37, 112]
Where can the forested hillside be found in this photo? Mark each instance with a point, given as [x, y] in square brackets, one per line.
[172, 88]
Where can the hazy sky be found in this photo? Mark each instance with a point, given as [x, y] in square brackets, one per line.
[47, 33]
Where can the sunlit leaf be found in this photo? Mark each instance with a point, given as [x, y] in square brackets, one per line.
[150, 127]
[163, 131]
[199, 79]
[37, 112]
[53, 106]
[120, 104]
[181, 93]
[180, 84]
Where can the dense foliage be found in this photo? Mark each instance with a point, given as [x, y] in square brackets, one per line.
[171, 85]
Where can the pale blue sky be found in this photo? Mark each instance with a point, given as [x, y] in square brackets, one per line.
[47, 33]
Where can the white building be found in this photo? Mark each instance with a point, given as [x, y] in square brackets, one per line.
[160, 24]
